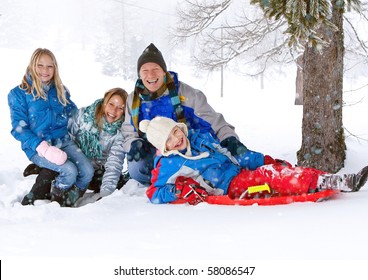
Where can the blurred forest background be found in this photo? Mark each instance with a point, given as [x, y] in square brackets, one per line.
[115, 30]
[118, 30]
[214, 36]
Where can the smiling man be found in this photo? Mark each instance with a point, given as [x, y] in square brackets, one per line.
[159, 93]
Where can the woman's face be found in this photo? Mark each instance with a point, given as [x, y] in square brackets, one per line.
[45, 68]
[152, 76]
[114, 109]
[176, 140]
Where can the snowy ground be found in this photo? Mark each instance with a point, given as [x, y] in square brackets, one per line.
[295, 241]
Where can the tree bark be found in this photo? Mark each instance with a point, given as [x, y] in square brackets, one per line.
[299, 81]
[323, 143]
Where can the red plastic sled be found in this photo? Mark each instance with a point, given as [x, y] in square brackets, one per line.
[276, 200]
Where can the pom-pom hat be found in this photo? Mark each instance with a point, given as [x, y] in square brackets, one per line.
[158, 130]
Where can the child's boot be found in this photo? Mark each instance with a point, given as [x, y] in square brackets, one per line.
[345, 183]
[362, 177]
[58, 195]
[72, 196]
[41, 188]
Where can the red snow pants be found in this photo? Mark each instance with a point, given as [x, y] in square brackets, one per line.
[282, 179]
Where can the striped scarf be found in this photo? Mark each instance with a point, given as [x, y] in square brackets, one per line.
[88, 135]
[140, 92]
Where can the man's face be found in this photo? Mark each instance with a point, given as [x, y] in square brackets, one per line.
[152, 76]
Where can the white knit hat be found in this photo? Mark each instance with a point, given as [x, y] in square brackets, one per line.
[158, 131]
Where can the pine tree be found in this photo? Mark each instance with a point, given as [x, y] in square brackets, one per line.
[312, 27]
[318, 25]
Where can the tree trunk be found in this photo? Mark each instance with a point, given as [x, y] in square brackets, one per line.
[323, 143]
[299, 81]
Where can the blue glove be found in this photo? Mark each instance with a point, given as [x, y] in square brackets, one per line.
[250, 160]
[139, 149]
[246, 158]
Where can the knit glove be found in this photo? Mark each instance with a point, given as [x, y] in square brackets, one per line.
[139, 149]
[246, 158]
[51, 153]
[190, 190]
[235, 147]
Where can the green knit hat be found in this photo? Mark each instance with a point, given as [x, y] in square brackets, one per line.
[151, 54]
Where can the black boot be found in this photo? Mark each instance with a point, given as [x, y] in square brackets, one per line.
[42, 186]
[58, 195]
[72, 196]
[31, 169]
[124, 178]
[96, 182]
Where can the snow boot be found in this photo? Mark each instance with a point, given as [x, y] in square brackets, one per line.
[362, 177]
[41, 188]
[345, 183]
[124, 178]
[31, 169]
[96, 182]
[72, 196]
[58, 195]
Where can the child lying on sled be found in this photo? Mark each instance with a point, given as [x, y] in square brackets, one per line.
[191, 165]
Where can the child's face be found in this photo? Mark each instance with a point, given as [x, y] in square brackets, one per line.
[45, 68]
[176, 140]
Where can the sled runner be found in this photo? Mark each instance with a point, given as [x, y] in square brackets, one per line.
[274, 200]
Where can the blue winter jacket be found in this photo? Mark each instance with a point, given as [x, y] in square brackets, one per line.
[197, 112]
[213, 172]
[34, 120]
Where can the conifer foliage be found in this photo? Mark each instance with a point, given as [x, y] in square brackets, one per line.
[304, 17]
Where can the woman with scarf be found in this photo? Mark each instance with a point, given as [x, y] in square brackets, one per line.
[96, 131]
[40, 108]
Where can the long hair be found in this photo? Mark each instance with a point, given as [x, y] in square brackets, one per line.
[36, 88]
[100, 108]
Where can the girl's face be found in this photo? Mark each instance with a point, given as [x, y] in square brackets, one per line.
[152, 76]
[45, 68]
[176, 140]
[114, 109]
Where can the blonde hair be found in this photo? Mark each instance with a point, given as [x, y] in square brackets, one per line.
[36, 89]
[100, 108]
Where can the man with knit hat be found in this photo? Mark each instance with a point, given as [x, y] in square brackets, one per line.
[159, 93]
[192, 164]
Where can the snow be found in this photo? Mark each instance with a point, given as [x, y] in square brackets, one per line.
[123, 230]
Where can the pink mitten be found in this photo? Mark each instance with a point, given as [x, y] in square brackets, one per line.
[51, 153]
[42, 148]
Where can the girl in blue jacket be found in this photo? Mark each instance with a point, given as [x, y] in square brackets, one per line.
[39, 109]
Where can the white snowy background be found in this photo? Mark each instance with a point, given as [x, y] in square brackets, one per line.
[294, 241]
